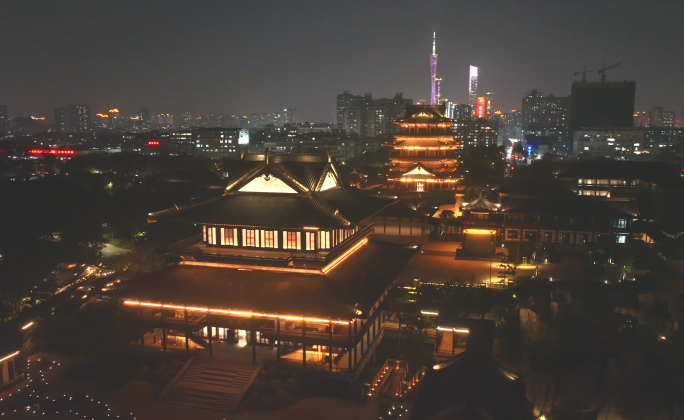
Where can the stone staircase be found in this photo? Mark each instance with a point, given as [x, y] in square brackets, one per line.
[212, 385]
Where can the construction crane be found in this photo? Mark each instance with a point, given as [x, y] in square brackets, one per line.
[584, 73]
[602, 70]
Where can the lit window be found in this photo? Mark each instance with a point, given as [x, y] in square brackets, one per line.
[291, 240]
[248, 237]
[324, 240]
[229, 236]
[268, 239]
[310, 241]
[211, 236]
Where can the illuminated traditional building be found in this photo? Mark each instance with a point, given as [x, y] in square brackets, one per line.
[424, 152]
[281, 260]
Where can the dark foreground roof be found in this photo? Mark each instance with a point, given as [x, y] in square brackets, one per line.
[661, 173]
[471, 386]
[273, 210]
[304, 205]
[581, 206]
[359, 282]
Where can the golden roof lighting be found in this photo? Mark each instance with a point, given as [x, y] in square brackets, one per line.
[114, 111]
[9, 357]
[234, 312]
[480, 231]
[344, 256]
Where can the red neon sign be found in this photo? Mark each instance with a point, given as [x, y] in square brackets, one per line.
[480, 107]
[51, 152]
[153, 143]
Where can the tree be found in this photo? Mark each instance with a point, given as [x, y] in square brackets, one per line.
[445, 219]
[97, 329]
[414, 330]
[140, 261]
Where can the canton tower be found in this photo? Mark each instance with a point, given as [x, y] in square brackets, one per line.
[433, 73]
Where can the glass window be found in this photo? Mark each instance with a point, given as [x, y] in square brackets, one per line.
[211, 236]
[290, 240]
[324, 240]
[620, 223]
[229, 236]
[602, 182]
[513, 234]
[268, 240]
[621, 239]
[531, 235]
[310, 241]
[249, 237]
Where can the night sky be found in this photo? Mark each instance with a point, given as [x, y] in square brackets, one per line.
[238, 57]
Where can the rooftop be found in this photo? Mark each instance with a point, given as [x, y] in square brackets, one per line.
[356, 283]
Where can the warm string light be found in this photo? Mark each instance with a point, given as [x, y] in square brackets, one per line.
[235, 312]
[37, 399]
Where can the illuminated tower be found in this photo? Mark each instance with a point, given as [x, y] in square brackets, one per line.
[433, 72]
[472, 88]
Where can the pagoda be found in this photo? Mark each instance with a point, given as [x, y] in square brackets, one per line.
[424, 157]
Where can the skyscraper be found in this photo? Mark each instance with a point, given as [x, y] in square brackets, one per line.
[364, 116]
[433, 72]
[4, 126]
[489, 104]
[472, 87]
[73, 118]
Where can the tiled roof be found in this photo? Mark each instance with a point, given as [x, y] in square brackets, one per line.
[307, 173]
[357, 282]
[334, 208]
[356, 205]
[571, 206]
[259, 209]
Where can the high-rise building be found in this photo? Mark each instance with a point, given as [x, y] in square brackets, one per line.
[433, 72]
[545, 119]
[186, 120]
[461, 112]
[290, 115]
[73, 119]
[642, 118]
[481, 107]
[602, 104]
[668, 119]
[4, 120]
[364, 116]
[163, 121]
[472, 87]
[144, 114]
[474, 133]
[489, 104]
[539, 111]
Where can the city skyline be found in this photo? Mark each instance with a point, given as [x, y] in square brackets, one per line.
[206, 66]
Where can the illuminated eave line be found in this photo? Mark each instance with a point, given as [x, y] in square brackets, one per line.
[458, 330]
[344, 256]
[9, 357]
[234, 312]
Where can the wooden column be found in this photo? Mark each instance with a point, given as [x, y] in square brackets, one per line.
[330, 351]
[253, 340]
[211, 350]
[163, 330]
[349, 350]
[142, 329]
[278, 337]
[187, 331]
[303, 343]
